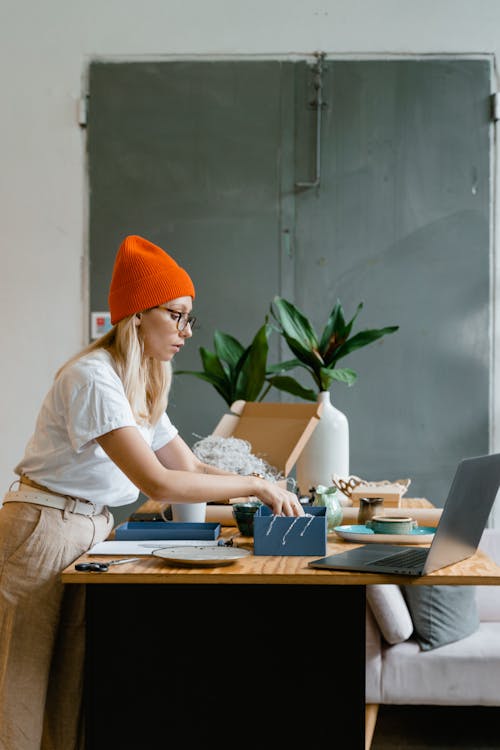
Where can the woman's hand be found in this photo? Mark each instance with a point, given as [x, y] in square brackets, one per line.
[282, 502]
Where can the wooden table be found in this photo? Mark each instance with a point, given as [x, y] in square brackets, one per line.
[266, 637]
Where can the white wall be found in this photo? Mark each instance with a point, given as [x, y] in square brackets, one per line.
[45, 48]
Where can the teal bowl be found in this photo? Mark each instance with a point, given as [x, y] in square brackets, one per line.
[243, 514]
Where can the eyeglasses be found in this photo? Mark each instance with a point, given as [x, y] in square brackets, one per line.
[181, 319]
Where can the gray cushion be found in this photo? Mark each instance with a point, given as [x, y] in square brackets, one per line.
[441, 614]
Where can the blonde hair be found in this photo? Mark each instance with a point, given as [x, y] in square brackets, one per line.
[146, 381]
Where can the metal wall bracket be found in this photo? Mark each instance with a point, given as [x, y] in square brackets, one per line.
[318, 106]
[495, 106]
[82, 111]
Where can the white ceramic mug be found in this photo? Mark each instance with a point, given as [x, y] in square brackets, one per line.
[189, 512]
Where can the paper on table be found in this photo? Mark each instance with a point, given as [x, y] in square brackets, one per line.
[145, 547]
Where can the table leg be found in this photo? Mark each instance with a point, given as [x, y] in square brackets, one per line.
[214, 661]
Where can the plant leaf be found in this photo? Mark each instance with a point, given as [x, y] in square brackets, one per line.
[228, 349]
[295, 324]
[213, 366]
[336, 332]
[221, 388]
[213, 373]
[333, 333]
[251, 370]
[298, 333]
[349, 325]
[242, 374]
[290, 385]
[341, 375]
[292, 363]
[363, 338]
[284, 366]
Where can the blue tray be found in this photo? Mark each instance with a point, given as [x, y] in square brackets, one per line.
[143, 530]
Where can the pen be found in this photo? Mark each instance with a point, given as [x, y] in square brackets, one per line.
[123, 560]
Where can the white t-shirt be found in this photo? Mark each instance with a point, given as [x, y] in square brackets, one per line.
[87, 400]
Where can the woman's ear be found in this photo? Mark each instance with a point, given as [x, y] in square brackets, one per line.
[138, 319]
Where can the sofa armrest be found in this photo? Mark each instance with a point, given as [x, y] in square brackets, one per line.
[373, 680]
[490, 544]
[488, 597]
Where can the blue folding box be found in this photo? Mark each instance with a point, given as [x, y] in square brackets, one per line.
[141, 530]
[290, 535]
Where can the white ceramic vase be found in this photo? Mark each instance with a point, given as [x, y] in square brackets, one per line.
[327, 450]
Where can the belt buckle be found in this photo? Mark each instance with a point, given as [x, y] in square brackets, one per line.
[82, 507]
[88, 507]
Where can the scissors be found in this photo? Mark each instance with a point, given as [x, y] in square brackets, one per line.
[102, 567]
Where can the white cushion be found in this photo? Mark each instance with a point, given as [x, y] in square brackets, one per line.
[391, 612]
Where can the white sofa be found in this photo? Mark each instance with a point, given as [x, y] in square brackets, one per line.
[464, 672]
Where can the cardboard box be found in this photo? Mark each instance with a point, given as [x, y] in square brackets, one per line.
[290, 535]
[277, 432]
[390, 493]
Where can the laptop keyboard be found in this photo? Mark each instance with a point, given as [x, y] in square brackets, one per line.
[408, 558]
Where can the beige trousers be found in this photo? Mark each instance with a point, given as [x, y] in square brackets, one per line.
[42, 625]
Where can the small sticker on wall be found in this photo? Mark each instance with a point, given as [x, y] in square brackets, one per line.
[100, 323]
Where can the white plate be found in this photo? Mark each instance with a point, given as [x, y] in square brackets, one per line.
[421, 535]
[202, 555]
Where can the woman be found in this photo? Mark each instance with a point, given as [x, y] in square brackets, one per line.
[102, 435]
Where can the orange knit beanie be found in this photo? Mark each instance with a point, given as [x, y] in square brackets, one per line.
[144, 276]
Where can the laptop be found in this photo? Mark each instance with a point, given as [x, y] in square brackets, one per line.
[458, 533]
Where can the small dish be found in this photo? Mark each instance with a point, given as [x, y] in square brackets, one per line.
[357, 533]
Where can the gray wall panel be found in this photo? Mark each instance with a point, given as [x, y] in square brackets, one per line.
[401, 222]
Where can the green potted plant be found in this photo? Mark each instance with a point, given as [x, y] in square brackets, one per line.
[326, 453]
[235, 371]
